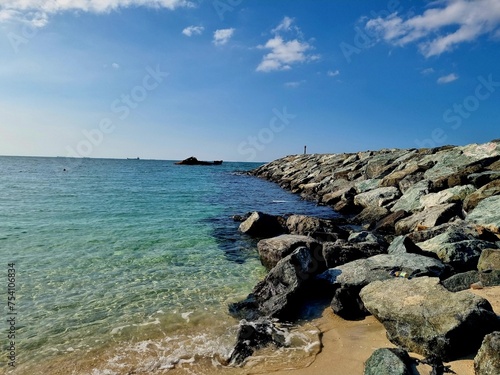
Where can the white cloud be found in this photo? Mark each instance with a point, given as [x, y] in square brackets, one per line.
[441, 28]
[294, 84]
[193, 30]
[285, 53]
[37, 12]
[115, 66]
[332, 73]
[427, 71]
[447, 79]
[222, 36]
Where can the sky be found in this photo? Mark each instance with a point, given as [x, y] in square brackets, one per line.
[245, 80]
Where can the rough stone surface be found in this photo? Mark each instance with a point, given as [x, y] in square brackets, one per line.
[489, 260]
[487, 214]
[262, 225]
[317, 228]
[387, 361]
[377, 197]
[427, 219]
[272, 250]
[420, 315]
[461, 281]
[487, 360]
[488, 190]
[388, 223]
[452, 195]
[341, 251]
[410, 201]
[279, 294]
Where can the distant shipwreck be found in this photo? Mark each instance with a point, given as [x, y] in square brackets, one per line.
[193, 161]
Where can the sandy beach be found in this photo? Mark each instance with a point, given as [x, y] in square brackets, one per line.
[348, 344]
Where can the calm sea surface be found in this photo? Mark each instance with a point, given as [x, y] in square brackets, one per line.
[127, 265]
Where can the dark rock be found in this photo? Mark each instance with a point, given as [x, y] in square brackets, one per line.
[365, 236]
[255, 335]
[272, 250]
[240, 218]
[370, 216]
[320, 229]
[335, 196]
[487, 360]
[404, 244]
[483, 178]
[387, 361]
[488, 190]
[282, 291]
[421, 316]
[490, 278]
[461, 281]
[262, 225]
[193, 161]
[341, 252]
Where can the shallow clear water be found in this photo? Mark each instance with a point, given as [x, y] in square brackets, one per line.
[110, 253]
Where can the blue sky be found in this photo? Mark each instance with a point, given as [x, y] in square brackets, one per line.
[248, 80]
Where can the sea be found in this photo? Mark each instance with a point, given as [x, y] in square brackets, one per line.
[128, 266]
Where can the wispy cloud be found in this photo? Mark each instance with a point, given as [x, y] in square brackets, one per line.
[447, 79]
[294, 84]
[333, 73]
[285, 53]
[193, 30]
[37, 12]
[441, 28]
[427, 71]
[222, 36]
[115, 66]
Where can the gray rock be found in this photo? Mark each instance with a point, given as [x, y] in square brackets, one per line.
[366, 185]
[487, 214]
[487, 360]
[421, 316]
[410, 201]
[388, 223]
[427, 219]
[365, 236]
[377, 197]
[451, 195]
[370, 216]
[262, 225]
[348, 279]
[272, 250]
[387, 361]
[397, 176]
[489, 260]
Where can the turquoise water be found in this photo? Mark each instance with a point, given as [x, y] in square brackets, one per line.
[109, 253]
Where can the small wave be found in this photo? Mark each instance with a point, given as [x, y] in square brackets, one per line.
[280, 201]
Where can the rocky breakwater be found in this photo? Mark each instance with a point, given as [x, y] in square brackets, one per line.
[417, 228]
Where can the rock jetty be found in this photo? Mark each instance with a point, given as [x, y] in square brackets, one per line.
[417, 227]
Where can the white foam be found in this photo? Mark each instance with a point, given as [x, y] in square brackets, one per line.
[185, 315]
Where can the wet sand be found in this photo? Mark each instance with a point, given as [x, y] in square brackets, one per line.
[348, 344]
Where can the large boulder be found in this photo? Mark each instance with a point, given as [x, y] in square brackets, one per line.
[452, 195]
[421, 316]
[410, 201]
[272, 250]
[429, 218]
[322, 229]
[487, 214]
[377, 197]
[489, 260]
[404, 244]
[262, 225]
[488, 190]
[341, 252]
[389, 361]
[464, 280]
[487, 360]
[282, 291]
[388, 223]
[348, 279]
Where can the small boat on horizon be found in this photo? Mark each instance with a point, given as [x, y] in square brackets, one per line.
[137, 158]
